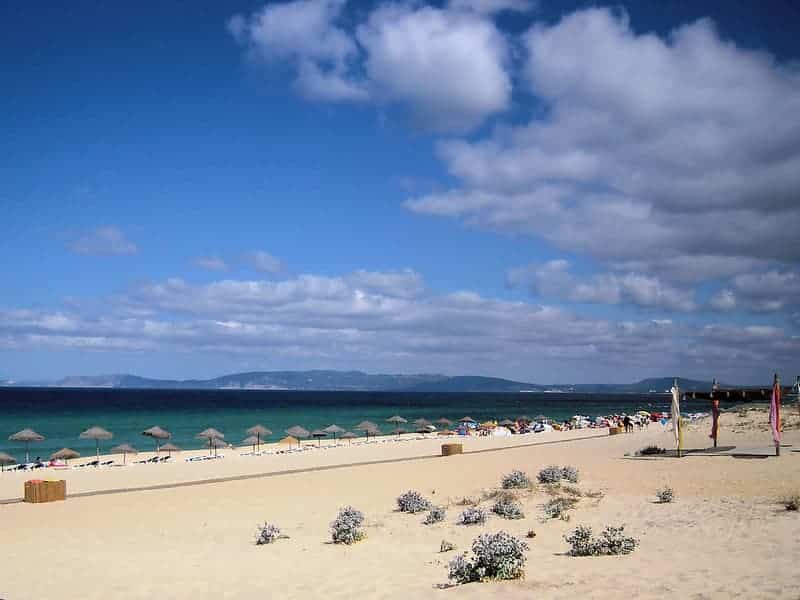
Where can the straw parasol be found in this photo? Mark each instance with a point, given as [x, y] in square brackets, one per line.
[158, 434]
[259, 431]
[398, 431]
[124, 449]
[396, 420]
[333, 430]
[422, 422]
[289, 441]
[96, 433]
[540, 418]
[368, 427]
[319, 434]
[170, 448]
[210, 434]
[251, 441]
[217, 443]
[443, 421]
[64, 454]
[506, 422]
[467, 420]
[298, 432]
[27, 436]
[6, 459]
[349, 436]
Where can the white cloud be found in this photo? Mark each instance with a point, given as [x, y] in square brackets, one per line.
[723, 300]
[448, 65]
[651, 151]
[553, 280]
[391, 57]
[103, 241]
[263, 261]
[490, 7]
[211, 263]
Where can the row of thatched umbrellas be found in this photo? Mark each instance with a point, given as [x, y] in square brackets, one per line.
[216, 439]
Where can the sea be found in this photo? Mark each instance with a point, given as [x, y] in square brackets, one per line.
[60, 414]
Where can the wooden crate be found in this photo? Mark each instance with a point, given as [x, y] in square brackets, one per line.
[615, 430]
[38, 491]
[450, 449]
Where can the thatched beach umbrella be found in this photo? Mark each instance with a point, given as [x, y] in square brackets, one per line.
[27, 436]
[96, 433]
[398, 431]
[506, 422]
[422, 422]
[467, 419]
[170, 448]
[65, 454]
[298, 432]
[251, 441]
[368, 427]
[6, 459]
[217, 443]
[319, 434]
[124, 449]
[158, 434]
[210, 434]
[333, 430]
[259, 431]
[396, 420]
[444, 422]
[289, 441]
[349, 436]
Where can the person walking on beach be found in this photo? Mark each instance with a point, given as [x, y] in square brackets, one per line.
[628, 425]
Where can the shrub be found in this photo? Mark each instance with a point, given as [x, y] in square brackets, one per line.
[651, 451]
[268, 533]
[446, 546]
[515, 480]
[791, 502]
[531, 534]
[665, 495]
[571, 474]
[412, 502]
[612, 541]
[436, 514]
[346, 528]
[468, 501]
[508, 509]
[495, 556]
[551, 474]
[472, 516]
[557, 508]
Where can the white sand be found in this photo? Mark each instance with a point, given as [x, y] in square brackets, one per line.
[723, 537]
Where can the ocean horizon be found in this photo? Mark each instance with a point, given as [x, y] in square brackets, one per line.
[60, 414]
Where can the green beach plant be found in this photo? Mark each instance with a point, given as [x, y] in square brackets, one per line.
[494, 556]
[268, 534]
[515, 480]
[412, 502]
[665, 495]
[346, 528]
[472, 516]
[436, 514]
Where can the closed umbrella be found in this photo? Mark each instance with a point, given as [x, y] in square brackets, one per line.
[210, 434]
[676, 415]
[27, 436]
[169, 447]
[158, 434]
[260, 432]
[333, 430]
[319, 434]
[6, 459]
[349, 436]
[96, 433]
[298, 432]
[64, 454]
[124, 449]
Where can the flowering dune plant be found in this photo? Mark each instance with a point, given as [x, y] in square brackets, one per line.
[494, 556]
[346, 528]
[412, 502]
[515, 480]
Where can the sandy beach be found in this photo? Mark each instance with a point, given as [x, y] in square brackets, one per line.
[724, 535]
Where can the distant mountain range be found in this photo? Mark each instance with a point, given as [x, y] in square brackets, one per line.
[320, 380]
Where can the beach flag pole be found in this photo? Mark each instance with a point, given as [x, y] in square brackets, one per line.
[775, 414]
[676, 415]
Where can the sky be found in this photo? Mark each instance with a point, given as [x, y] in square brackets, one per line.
[546, 191]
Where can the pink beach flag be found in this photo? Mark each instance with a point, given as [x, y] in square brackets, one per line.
[775, 412]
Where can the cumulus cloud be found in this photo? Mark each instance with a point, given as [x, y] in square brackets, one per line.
[553, 280]
[103, 241]
[211, 263]
[263, 261]
[651, 151]
[391, 57]
[489, 7]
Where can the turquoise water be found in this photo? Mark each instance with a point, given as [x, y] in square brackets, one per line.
[61, 414]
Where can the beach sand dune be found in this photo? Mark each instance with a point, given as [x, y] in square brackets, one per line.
[723, 537]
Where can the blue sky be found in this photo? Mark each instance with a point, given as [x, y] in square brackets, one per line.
[543, 191]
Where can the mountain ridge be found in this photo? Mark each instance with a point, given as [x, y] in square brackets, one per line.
[332, 380]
